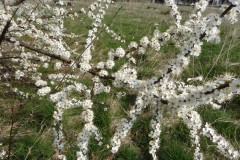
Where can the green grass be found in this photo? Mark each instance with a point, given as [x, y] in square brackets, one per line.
[38, 113]
[33, 147]
[173, 150]
[33, 122]
[140, 136]
[127, 152]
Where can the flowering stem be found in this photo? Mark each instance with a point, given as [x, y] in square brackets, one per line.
[222, 86]
[40, 51]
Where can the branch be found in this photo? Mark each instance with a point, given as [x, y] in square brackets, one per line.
[220, 87]
[18, 2]
[5, 29]
[4, 5]
[10, 57]
[23, 44]
[94, 72]
[227, 10]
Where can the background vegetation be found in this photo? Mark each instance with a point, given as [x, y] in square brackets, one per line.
[27, 125]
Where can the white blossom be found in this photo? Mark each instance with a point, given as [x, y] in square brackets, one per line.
[44, 91]
[120, 52]
[235, 86]
[19, 74]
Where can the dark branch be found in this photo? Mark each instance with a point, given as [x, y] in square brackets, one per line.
[227, 10]
[222, 86]
[11, 57]
[4, 5]
[41, 51]
[5, 30]
[18, 2]
[95, 73]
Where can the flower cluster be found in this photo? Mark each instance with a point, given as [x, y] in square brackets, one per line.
[113, 34]
[3, 153]
[99, 87]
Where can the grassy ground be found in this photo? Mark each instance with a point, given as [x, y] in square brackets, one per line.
[32, 122]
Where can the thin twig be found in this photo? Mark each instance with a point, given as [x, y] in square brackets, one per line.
[10, 57]
[37, 140]
[11, 134]
[17, 2]
[4, 5]
[5, 29]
